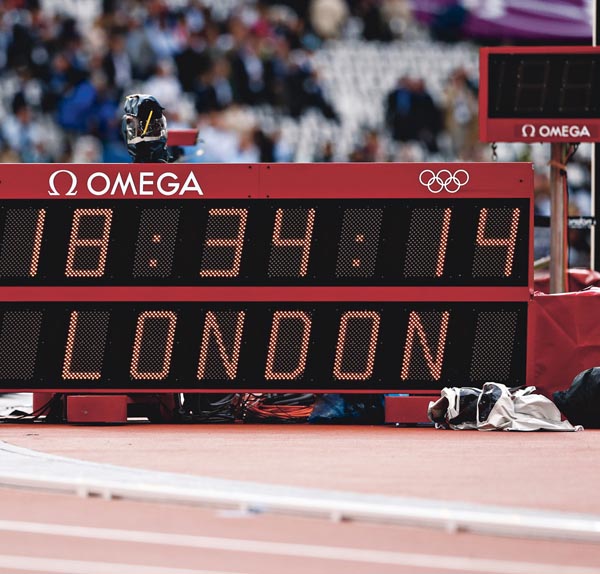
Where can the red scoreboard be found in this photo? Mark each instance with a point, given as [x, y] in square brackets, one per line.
[380, 277]
[539, 94]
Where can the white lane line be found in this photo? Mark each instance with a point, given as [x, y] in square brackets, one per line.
[429, 561]
[61, 566]
[26, 468]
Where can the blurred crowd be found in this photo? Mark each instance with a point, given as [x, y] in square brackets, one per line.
[211, 64]
[63, 82]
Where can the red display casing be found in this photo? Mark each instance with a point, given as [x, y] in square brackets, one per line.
[205, 182]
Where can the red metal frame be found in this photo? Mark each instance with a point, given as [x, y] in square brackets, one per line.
[271, 293]
[242, 181]
[70, 182]
[392, 180]
[511, 129]
[110, 408]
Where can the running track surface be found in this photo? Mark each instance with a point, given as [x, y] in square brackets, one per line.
[549, 470]
[552, 471]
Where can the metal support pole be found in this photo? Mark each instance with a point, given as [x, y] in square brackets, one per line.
[558, 228]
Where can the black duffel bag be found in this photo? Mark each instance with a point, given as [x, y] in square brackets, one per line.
[580, 403]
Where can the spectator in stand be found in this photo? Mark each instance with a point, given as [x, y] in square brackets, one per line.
[277, 71]
[375, 24]
[221, 143]
[76, 106]
[248, 150]
[328, 17]
[449, 22]
[326, 153]
[87, 149]
[205, 94]
[212, 87]
[193, 61]
[140, 48]
[398, 109]
[166, 30]
[282, 150]
[370, 149]
[412, 115]
[305, 89]
[104, 123]
[265, 145]
[21, 133]
[427, 116]
[165, 87]
[247, 68]
[117, 65]
[45, 140]
[461, 108]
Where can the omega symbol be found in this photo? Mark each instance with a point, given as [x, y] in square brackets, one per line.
[528, 131]
[72, 185]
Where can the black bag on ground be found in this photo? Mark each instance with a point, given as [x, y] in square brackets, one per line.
[580, 403]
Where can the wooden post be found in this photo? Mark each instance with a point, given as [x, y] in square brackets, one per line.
[558, 219]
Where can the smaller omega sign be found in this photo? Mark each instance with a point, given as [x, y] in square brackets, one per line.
[545, 132]
[539, 94]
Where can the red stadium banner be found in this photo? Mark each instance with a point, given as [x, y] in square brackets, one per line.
[539, 94]
[566, 337]
[357, 278]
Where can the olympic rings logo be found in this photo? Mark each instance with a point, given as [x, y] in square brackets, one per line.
[444, 180]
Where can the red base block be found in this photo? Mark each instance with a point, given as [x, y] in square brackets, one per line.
[97, 408]
[156, 407]
[408, 410]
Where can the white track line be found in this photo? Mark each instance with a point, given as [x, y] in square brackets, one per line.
[26, 468]
[60, 566]
[337, 553]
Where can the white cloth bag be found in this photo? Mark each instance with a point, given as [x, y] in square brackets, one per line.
[498, 408]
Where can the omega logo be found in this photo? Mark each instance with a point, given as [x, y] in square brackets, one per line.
[64, 182]
[528, 131]
[564, 131]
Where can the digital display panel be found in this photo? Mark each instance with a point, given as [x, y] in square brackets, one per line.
[244, 346]
[270, 242]
[544, 85]
[357, 278]
[540, 94]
